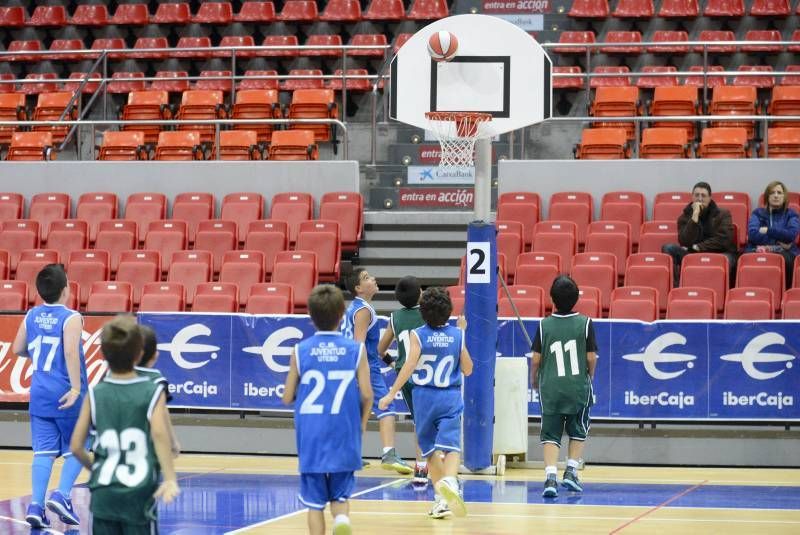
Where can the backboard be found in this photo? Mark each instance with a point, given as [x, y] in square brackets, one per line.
[498, 69]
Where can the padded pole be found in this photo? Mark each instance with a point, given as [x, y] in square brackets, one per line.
[483, 178]
[481, 340]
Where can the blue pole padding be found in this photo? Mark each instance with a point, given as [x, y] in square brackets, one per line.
[480, 310]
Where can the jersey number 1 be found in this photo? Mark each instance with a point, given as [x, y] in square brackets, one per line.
[570, 347]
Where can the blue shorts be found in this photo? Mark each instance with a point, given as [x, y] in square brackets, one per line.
[379, 389]
[437, 418]
[316, 490]
[51, 436]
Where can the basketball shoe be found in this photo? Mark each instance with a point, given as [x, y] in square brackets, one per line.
[449, 489]
[62, 506]
[550, 487]
[571, 481]
[391, 461]
[36, 517]
[420, 475]
[440, 509]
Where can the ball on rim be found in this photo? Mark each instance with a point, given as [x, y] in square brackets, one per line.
[442, 46]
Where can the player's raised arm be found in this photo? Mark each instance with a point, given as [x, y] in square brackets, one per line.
[72, 355]
[386, 339]
[465, 359]
[361, 325]
[364, 387]
[292, 379]
[20, 345]
[78, 441]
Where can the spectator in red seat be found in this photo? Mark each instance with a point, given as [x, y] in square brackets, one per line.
[703, 227]
[774, 227]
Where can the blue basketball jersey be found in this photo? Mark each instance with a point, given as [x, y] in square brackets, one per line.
[327, 411]
[439, 362]
[44, 326]
[373, 332]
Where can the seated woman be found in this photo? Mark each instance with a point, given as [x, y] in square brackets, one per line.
[774, 228]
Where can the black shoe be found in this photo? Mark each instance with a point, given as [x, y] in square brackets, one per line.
[571, 481]
[550, 487]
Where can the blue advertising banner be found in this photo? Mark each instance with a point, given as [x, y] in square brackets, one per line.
[662, 370]
[752, 371]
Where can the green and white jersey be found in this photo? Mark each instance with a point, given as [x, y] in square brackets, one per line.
[404, 321]
[564, 383]
[125, 472]
[156, 376]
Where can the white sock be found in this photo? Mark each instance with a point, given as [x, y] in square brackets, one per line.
[422, 464]
[550, 471]
[387, 449]
[572, 463]
[341, 519]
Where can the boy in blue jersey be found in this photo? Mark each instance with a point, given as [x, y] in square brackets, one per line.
[361, 324]
[51, 336]
[436, 361]
[330, 385]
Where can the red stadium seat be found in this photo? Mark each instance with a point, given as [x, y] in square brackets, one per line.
[589, 9]
[41, 86]
[341, 11]
[782, 143]
[143, 208]
[538, 269]
[298, 11]
[624, 206]
[428, 10]
[575, 206]
[256, 12]
[250, 82]
[116, 236]
[47, 207]
[214, 81]
[51, 107]
[770, 8]
[257, 104]
[116, 43]
[131, 15]
[598, 270]
[668, 36]
[242, 208]
[170, 82]
[11, 205]
[190, 268]
[723, 142]
[679, 9]
[724, 8]
[523, 207]
[216, 297]
[32, 45]
[323, 40]
[90, 15]
[622, 42]
[347, 208]
[179, 146]
[528, 300]
[172, 13]
[510, 243]
[611, 237]
[298, 268]
[167, 236]
[313, 104]
[749, 304]
[457, 297]
[87, 266]
[119, 85]
[193, 208]
[574, 37]
[738, 204]
[388, 10]
[163, 297]
[140, 268]
[238, 41]
[12, 108]
[790, 306]
[110, 297]
[589, 302]
[279, 41]
[653, 81]
[762, 270]
[603, 144]
[634, 9]
[214, 13]
[192, 42]
[293, 207]
[607, 79]
[67, 235]
[66, 45]
[323, 238]
[270, 298]
[558, 237]
[142, 44]
[757, 81]
[675, 100]
[634, 302]
[31, 146]
[13, 296]
[12, 17]
[204, 104]
[31, 262]
[664, 143]
[268, 236]
[244, 268]
[568, 82]
[707, 270]
[653, 270]
[669, 205]
[239, 145]
[123, 146]
[218, 237]
[378, 40]
[785, 101]
[691, 303]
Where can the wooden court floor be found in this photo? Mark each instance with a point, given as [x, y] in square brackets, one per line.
[383, 510]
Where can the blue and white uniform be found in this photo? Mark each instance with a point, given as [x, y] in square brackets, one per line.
[437, 389]
[51, 428]
[379, 387]
[327, 415]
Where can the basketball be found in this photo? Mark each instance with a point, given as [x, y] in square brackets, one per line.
[442, 46]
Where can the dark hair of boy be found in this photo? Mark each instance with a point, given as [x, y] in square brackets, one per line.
[564, 293]
[353, 279]
[148, 343]
[435, 306]
[704, 185]
[407, 291]
[121, 342]
[50, 282]
[326, 307]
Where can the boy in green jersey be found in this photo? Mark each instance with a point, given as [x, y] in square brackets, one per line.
[146, 367]
[562, 368]
[132, 443]
[401, 323]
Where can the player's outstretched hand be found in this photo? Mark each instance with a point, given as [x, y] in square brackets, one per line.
[461, 323]
[167, 490]
[384, 402]
[68, 400]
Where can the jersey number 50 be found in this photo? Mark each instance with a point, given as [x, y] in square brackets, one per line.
[425, 373]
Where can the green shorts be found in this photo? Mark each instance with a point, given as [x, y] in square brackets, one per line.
[407, 397]
[554, 425]
[114, 527]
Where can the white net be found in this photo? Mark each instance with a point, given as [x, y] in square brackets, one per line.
[457, 132]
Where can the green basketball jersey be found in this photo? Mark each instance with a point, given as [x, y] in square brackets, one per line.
[125, 473]
[403, 322]
[564, 383]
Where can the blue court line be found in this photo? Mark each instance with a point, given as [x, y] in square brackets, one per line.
[215, 503]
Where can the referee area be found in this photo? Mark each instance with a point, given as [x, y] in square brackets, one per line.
[258, 495]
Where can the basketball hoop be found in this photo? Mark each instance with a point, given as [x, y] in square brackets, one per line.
[457, 132]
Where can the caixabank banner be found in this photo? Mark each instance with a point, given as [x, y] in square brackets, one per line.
[667, 370]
